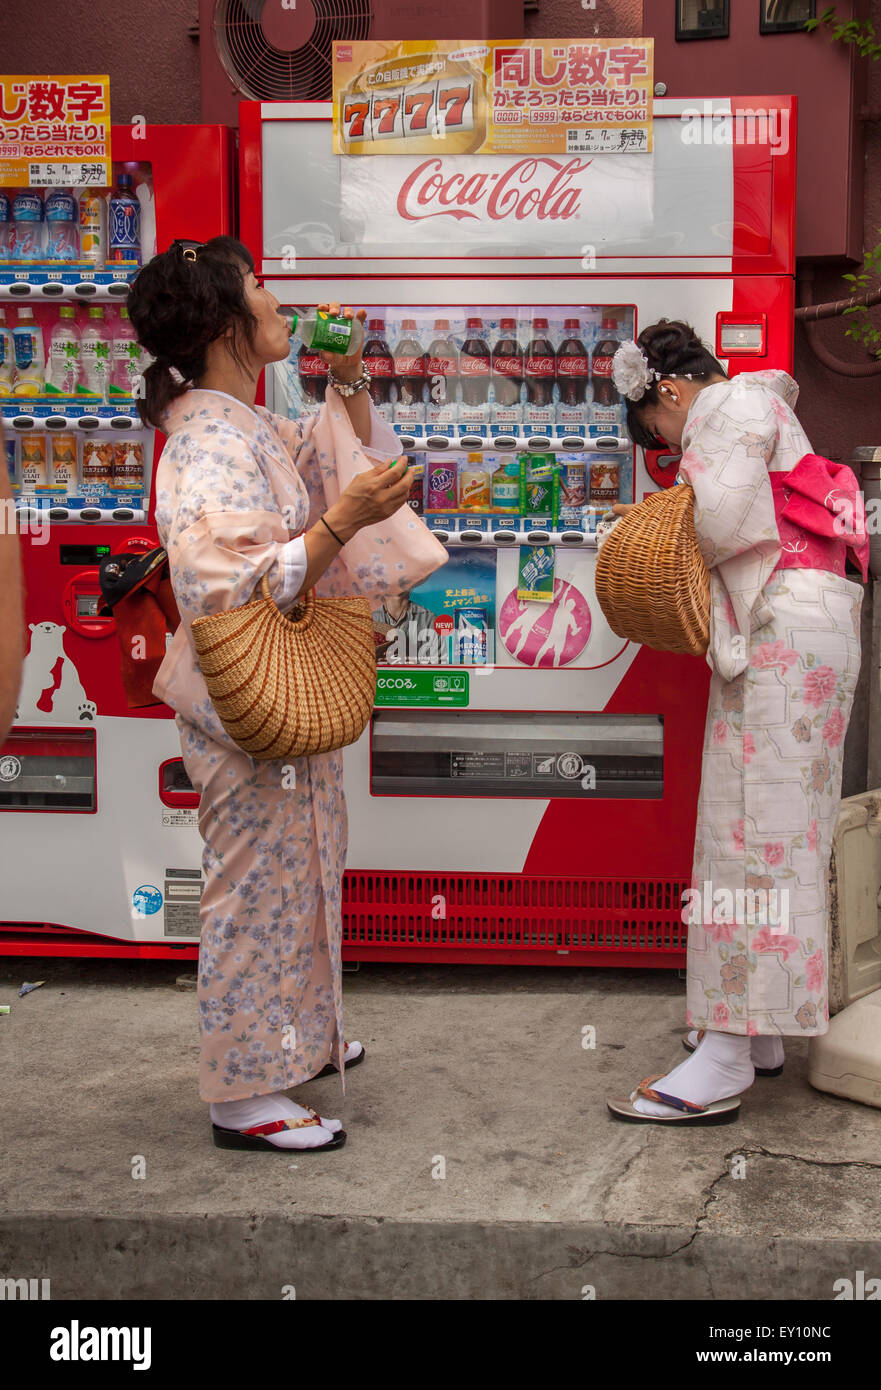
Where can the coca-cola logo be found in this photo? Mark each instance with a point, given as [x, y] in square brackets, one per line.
[441, 366]
[380, 366]
[540, 366]
[410, 366]
[572, 366]
[507, 366]
[602, 366]
[538, 187]
[474, 366]
[311, 365]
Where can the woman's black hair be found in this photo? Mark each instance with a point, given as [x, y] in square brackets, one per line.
[671, 348]
[179, 305]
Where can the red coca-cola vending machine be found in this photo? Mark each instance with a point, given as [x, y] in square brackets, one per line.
[527, 788]
[99, 848]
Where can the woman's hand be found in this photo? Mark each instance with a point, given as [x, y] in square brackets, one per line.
[622, 508]
[344, 368]
[370, 497]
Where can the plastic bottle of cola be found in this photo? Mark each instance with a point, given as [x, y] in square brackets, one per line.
[322, 333]
[474, 365]
[573, 366]
[507, 365]
[540, 365]
[604, 392]
[379, 361]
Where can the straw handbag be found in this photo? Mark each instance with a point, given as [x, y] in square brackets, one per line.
[284, 687]
[651, 580]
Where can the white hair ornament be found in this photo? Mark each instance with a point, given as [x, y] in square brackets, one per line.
[632, 374]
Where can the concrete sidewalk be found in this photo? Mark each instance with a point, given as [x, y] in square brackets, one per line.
[545, 1195]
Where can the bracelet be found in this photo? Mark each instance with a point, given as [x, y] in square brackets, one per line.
[349, 388]
[332, 532]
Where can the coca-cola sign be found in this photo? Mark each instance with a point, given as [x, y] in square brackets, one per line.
[541, 187]
[540, 366]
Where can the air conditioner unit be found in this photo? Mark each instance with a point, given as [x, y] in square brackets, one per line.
[281, 50]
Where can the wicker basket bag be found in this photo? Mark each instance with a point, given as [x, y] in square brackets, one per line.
[284, 687]
[651, 580]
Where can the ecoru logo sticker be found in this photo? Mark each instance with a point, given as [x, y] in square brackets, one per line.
[146, 900]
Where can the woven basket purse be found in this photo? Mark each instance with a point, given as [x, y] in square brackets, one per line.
[286, 687]
[651, 580]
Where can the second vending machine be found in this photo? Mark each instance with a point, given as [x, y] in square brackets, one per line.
[527, 788]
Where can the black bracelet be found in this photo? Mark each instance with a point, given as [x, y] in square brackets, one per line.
[332, 532]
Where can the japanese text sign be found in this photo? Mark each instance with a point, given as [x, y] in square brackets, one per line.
[55, 131]
[541, 96]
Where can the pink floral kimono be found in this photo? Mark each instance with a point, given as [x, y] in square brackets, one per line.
[785, 654]
[234, 485]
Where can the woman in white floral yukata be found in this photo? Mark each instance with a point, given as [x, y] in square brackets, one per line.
[774, 523]
[241, 493]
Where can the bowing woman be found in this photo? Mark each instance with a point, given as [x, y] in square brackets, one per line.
[774, 523]
[242, 493]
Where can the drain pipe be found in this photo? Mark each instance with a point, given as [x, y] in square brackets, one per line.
[809, 314]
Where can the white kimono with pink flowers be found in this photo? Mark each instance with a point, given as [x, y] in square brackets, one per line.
[234, 488]
[785, 654]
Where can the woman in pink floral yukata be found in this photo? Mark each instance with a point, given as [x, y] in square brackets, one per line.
[241, 493]
[774, 523]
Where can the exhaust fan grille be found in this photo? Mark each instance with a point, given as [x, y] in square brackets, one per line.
[273, 53]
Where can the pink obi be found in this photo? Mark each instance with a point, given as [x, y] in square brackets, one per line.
[820, 516]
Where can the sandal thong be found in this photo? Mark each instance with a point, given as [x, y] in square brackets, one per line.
[253, 1138]
[718, 1112]
[759, 1071]
[331, 1070]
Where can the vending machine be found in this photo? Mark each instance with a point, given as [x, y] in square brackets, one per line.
[526, 791]
[99, 849]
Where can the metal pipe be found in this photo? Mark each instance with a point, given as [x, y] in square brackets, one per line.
[809, 313]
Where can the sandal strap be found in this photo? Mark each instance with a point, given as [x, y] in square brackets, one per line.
[274, 1126]
[645, 1089]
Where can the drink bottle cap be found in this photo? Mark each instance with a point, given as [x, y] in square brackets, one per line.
[573, 323]
[378, 324]
[123, 313]
[408, 323]
[507, 325]
[442, 324]
[475, 324]
[95, 311]
[610, 323]
[124, 181]
[67, 311]
[540, 325]
[475, 458]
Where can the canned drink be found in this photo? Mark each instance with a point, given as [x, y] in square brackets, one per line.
[442, 484]
[472, 625]
[128, 466]
[97, 465]
[604, 481]
[62, 471]
[572, 476]
[33, 463]
[539, 485]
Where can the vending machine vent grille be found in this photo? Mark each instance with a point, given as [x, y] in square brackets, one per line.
[465, 917]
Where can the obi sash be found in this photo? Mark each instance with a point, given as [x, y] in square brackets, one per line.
[820, 516]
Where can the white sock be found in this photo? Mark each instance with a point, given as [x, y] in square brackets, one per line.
[720, 1067]
[766, 1051]
[261, 1110]
[353, 1050]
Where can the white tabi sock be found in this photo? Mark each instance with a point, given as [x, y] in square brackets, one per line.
[766, 1052]
[261, 1110]
[720, 1066]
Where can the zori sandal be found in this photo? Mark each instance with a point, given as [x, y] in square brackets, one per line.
[253, 1138]
[759, 1071]
[718, 1112]
[331, 1070]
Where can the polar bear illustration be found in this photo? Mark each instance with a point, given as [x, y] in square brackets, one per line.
[70, 704]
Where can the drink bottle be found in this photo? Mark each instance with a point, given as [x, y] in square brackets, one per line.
[573, 366]
[93, 233]
[379, 362]
[27, 216]
[474, 365]
[6, 227]
[62, 226]
[442, 367]
[506, 486]
[313, 374]
[128, 360]
[507, 365]
[325, 334]
[7, 356]
[30, 358]
[540, 365]
[604, 392]
[65, 355]
[96, 353]
[124, 224]
[475, 485]
[409, 366]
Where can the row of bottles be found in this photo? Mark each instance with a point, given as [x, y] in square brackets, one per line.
[65, 228]
[98, 360]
